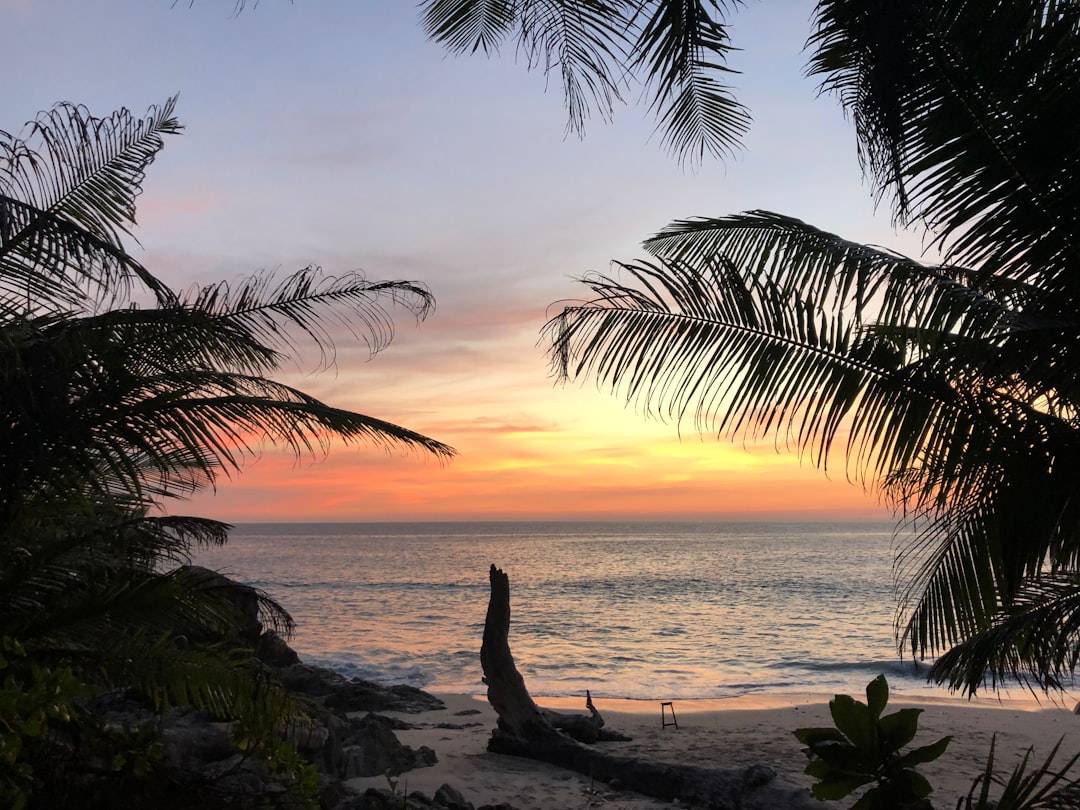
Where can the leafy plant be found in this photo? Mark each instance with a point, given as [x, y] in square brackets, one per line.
[865, 747]
[1022, 790]
[30, 697]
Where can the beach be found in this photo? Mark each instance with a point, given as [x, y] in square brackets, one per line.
[748, 628]
[726, 733]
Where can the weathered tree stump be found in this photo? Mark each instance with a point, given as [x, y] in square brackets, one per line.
[526, 730]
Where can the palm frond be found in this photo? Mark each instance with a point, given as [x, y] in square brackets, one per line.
[263, 308]
[682, 49]
[876, 285]
[160, 401]
[1034, 642]
[963, 113]
[586, 41]
[67, 193]
[678, 51]
[921, 376]
[215, 679]
[468, 25]
[725, 329]
[49, 264]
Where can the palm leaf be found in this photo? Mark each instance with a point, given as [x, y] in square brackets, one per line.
[678, 51]
[724, 330]
[160, 401]
[263, 308]
[682, 49]
[586, 41]
[468, 25]
[957, 108]
[761, 326]
[67, 195]
[1034, 642]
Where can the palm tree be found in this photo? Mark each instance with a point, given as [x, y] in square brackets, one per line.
[108, 409]
[950, 388]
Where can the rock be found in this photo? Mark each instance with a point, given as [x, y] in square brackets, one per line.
[308, 736]
[243, 599]
[364, 696]
[758, 775]
[339, 693]
[448, 797]
[370, 748]
[272, 650]
[333, 793]
[192, 739]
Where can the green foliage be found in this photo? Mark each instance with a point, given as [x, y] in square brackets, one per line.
[865, 747]
[118, 394]
[1023, 789]
[31, 697]
[280, 758]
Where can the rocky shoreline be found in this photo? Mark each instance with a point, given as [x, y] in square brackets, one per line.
[340, 731]
[336, 726]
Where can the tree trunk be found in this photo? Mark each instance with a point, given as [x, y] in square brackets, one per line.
[525, 730]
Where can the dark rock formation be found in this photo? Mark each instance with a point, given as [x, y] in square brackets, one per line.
[445, 798]
[342, 694]
[370, 748]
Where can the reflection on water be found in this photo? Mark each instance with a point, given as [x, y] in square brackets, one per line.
[637, 610]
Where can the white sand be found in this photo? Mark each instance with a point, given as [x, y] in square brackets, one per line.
[719, 733]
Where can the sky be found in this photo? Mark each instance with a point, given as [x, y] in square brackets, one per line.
[331, 132]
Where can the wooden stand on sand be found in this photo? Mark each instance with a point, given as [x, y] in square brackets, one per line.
[526, 730]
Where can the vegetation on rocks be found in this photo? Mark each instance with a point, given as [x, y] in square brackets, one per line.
[119, 395]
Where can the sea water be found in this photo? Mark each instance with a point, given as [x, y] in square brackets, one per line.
[626, 610]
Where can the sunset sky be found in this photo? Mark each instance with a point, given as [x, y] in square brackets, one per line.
[330, 132]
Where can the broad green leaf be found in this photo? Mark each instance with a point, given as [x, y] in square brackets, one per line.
[926, 753]
[838, 787]
[842, 755]
[909, 785]
[898, 729]
[852, 717]
[877, 696]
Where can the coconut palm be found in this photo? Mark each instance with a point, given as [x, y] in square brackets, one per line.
[119, 395]
[951, 388]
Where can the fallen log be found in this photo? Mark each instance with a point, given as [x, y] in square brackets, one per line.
[526, 730]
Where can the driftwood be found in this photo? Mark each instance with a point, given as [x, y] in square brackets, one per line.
[586, 728]
[526, 730]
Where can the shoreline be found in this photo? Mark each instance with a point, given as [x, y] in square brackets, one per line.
[726, 733]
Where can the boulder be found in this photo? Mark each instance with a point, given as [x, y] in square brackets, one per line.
[342, 694]
[371, 748]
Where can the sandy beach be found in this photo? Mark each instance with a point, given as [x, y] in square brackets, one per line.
[717, 733]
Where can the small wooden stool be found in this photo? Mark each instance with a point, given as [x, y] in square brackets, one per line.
[664, 706]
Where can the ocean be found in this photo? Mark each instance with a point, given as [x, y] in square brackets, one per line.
[627, 610]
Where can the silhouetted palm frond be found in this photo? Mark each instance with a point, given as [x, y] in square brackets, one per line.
[677, 51]
[928, 380]
[67, 195]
